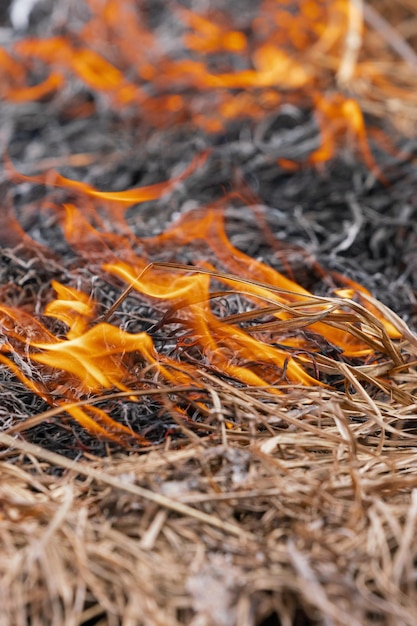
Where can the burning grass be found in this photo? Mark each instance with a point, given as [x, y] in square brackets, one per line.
[192, 435]
[289, 503]
[273, 333]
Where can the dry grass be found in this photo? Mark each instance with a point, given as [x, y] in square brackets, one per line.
[273, 509]
[289, 503]
[304, 510]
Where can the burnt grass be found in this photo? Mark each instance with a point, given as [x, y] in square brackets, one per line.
[305, 537]
[311, 224]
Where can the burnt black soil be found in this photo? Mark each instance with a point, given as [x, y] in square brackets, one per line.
[308, 223]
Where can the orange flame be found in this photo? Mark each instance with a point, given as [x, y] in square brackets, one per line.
[96, 356]
[304, 47]
[304, 55]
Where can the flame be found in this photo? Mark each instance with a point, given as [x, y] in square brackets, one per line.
[90, 67]
[306, 47]
[307, 52]
[95, 356]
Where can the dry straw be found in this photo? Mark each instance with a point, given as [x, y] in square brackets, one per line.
[281, 509]
[301, 506]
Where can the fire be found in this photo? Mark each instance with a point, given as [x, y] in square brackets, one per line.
[270, 339]
[97, 355]
[304, 48]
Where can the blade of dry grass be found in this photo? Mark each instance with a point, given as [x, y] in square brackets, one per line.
[83, 469]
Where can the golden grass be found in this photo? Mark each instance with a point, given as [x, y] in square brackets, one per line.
[301, 506]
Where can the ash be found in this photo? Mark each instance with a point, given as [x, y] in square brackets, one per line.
[310, 224]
